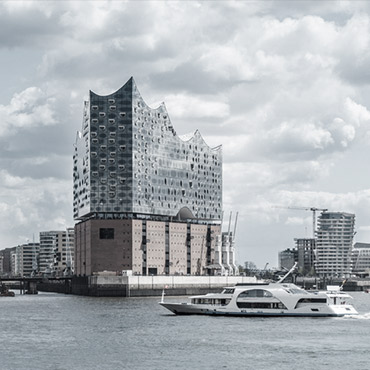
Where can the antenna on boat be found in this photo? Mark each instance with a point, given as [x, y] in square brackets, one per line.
[288, 273]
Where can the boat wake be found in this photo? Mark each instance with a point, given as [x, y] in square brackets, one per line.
[364, 316]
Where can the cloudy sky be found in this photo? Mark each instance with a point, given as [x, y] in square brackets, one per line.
[284, 86]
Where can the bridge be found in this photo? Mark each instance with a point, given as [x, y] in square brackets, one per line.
[30, 285]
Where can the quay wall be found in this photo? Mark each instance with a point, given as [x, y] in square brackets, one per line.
[145, 286]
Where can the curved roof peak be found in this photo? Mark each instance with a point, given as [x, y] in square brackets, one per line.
[194, 135]
[131, 88]
[130, 84]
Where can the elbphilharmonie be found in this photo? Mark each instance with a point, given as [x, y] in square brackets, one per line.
[146, 200]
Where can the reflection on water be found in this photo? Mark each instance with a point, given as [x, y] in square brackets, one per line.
[50, 331]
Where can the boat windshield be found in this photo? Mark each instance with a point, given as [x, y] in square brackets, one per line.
[228, 291]
[295, 290]
[255, 293]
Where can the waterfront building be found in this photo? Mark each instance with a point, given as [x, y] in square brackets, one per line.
[306, 254]
[13, 258]
[7, 265]
[146, 199]
[287, 258]
[56, 252]
[360, 258]
[26, 259]
[334, 244]
[46, 254]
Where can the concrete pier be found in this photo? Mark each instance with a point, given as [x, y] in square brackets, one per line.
[142, 286]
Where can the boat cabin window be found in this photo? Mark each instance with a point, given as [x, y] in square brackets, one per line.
[211, 301]
[228, 291]
[252, 293]
[264, 305]
[309, 301]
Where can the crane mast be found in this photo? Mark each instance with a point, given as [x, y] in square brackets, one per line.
[313, 209]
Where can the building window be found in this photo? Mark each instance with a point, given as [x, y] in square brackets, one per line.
[106, 233]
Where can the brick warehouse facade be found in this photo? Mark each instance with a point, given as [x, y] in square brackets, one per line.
[145, 247]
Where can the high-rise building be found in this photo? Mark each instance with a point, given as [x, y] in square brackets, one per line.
[56, 255]
[334, 243]
[306, 254]
[147, 200]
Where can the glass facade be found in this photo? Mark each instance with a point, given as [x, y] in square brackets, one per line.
[128, 159]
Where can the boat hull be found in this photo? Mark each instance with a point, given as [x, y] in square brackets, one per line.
[189, 309]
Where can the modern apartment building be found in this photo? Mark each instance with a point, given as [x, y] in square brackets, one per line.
[146, 199]
[360, 258]
[56, 255]
[26, 259]
[334, 243]
[306, 254]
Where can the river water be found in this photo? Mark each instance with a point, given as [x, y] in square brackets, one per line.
[64, 332]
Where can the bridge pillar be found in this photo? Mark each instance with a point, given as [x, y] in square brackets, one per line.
[31, 287]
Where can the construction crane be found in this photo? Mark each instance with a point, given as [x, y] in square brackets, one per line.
[199, 262]
[313, 209]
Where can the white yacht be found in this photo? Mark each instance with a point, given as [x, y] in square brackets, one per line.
[266, 299]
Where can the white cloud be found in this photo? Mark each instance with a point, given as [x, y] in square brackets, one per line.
[29, 206]
[295, 221]
[27, 109]
[357, 114]
[300, 137]
[185, 106]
